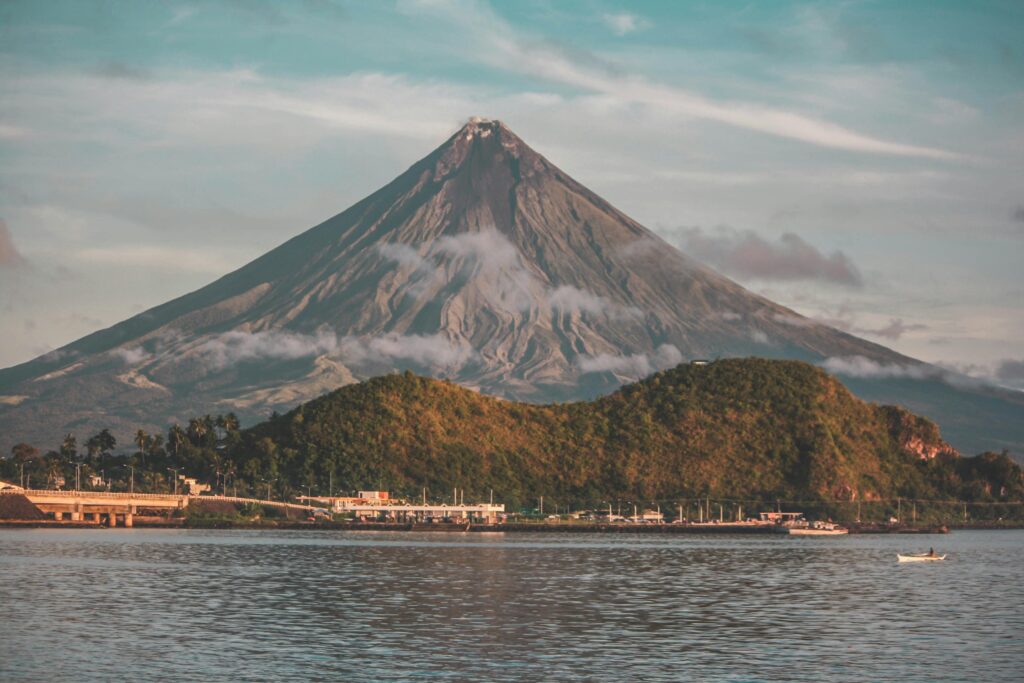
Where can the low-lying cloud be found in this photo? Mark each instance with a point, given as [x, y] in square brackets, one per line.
[131, 355]
[745, 254]
[634, 366]
[794, 320]
[569, 299]
[486, 254]
[9, 255]
[236, 346]
[1010, 371]
[894, 330]
[428, 350]
[492, 257]
[404, 255]
[1007, 373]
[861, 367]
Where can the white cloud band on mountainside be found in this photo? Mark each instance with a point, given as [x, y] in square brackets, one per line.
[635, 366]
[433, 350]
[231, 348]
[490, 255]
[1006, 374]
[237, 346]
[569, 299]
[861, 367]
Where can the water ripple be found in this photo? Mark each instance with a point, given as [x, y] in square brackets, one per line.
[356, 606]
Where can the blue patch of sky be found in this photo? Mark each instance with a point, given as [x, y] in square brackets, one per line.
[671, 38]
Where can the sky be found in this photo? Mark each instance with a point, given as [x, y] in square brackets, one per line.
[860, 162]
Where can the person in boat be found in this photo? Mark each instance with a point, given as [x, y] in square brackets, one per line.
[931, 552]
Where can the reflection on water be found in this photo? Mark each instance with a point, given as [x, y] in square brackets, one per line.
[350, 606]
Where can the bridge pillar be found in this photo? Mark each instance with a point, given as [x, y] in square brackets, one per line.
[58, 516]
[76, 516]
[113, 520]
[128, 520]
[97, 518]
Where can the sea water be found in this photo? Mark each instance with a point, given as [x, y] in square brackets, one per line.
[162, 605]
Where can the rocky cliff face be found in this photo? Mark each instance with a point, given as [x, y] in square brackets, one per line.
[482, 263]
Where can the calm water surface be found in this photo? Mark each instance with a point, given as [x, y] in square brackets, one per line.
[154, 605]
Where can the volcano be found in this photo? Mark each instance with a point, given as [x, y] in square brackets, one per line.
[483, 263]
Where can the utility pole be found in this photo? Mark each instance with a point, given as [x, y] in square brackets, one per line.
[680, 513]
[899, 510]
[542, 505]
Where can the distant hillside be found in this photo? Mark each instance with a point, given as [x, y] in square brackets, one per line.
[742, 428]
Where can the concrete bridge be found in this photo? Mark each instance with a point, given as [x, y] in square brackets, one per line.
[97, 506]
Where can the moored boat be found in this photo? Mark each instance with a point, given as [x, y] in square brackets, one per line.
[817, 529]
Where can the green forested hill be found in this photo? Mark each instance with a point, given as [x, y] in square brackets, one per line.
[742, 429]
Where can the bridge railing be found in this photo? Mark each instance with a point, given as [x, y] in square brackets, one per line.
[120, 495]
[257, 501]
[102, 494]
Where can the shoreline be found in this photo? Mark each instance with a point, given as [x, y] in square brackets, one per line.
[670, 529]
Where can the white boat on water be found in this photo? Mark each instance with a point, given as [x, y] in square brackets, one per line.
[920, 557]
[818, 529]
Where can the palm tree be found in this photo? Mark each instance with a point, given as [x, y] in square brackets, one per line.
[231, 423]
[142, 440]
[106, 441]
[176, 437]
[69, 446]
[197, 430]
